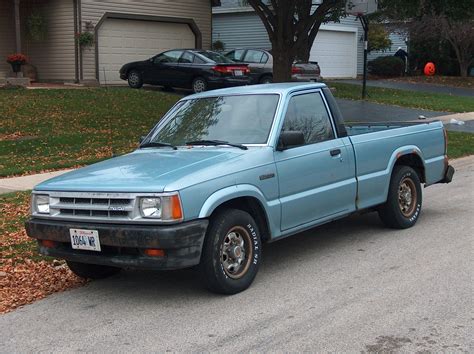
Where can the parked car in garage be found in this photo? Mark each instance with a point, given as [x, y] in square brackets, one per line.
[261, 66]
[199, 70]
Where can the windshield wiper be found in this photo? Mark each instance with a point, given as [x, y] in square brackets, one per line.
[215, 143]
[158, 144]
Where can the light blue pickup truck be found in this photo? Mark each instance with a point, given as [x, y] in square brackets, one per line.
[227, 170]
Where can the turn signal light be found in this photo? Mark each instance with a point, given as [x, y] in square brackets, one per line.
[176, 211]
[154, 252]
[48, 243]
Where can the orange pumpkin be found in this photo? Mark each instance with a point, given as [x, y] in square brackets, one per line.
[430, 69]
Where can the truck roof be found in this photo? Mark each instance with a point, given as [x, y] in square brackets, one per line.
[279, 88]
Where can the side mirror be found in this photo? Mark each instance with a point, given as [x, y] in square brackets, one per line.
[290, 139]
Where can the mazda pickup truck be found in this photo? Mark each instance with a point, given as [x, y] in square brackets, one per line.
[227, 170]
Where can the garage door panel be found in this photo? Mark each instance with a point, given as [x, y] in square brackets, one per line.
[122, 41]
[336, 53]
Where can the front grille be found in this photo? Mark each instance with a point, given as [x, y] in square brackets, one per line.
[94, 206]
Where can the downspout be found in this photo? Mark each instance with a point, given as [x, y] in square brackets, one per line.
[79, 10]
[76, 45]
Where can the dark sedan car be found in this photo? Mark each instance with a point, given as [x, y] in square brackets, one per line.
[260, 63]
[199, 70]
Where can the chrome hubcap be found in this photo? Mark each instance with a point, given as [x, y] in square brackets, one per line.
[407, 196]
[199, 86]
[133, 79]
[236, 252]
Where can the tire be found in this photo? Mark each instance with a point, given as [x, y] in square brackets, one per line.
[403, 205]
[231, 252]
[199, 85]
[267, 79]
[135, 79]
[92, 271]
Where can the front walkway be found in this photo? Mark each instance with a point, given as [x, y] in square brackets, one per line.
[421, 87]
[24, 183]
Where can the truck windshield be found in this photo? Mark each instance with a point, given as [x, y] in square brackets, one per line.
[240, 119]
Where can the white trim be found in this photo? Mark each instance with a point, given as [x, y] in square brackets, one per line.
[330, 27]
[228, 10]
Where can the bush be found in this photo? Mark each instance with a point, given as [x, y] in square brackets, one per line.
[386, 66]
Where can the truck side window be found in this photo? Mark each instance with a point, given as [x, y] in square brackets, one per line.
[307, 113]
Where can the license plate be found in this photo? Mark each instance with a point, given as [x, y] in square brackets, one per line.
[238, 72]
[85, 239]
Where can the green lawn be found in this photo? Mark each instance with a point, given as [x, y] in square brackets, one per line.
[460, 144]
[51, 129]
[404, 98]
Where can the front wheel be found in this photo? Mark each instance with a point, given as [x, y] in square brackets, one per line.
[135, 79]
[231, 252]
[403, 205]
[199, 85]
[91, 271]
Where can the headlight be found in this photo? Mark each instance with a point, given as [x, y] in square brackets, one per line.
[150, 207]
[166, 208]
[41, 203]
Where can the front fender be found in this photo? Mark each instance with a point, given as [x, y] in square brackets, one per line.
[271, 208]
[229, 193]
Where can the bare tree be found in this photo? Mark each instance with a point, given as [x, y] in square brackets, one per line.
[292, 26]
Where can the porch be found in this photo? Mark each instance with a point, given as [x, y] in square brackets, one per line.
[44, 31]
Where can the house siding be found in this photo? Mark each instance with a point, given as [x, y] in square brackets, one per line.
[7, 38]
[246, 30]
[398, 40]
[94, 10]
[53, 57]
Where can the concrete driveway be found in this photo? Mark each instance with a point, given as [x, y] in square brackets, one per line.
[421, 87]
[351, 285]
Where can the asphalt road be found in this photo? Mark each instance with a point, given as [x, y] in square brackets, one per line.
[351, 285]
[419, 87]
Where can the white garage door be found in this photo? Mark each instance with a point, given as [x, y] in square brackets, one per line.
[336, 53]
[123, 41]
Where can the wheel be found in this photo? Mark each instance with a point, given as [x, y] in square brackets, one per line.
[199, 85]
[92, 271]
[267, 79]
[231, 252]
[135, 79]
[403, 204]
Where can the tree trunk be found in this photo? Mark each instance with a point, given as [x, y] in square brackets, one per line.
[304, 50]
[282, 63]
[463, 67]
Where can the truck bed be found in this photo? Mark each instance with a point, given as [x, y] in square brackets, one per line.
[378, 145]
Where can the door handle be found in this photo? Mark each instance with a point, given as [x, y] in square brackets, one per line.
[335, 152]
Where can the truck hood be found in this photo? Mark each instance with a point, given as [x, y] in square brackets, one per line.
[147, 170]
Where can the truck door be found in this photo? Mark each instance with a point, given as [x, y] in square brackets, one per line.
[317, 179]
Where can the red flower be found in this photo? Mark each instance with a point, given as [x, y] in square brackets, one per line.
[17, 58]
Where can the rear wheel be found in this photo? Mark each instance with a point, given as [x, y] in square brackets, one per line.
[199, 85]
[135, 79]
[231, 252]
[92, 271]
[403, 205]
[267, 79]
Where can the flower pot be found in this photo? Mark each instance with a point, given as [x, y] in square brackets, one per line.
[16, 66]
